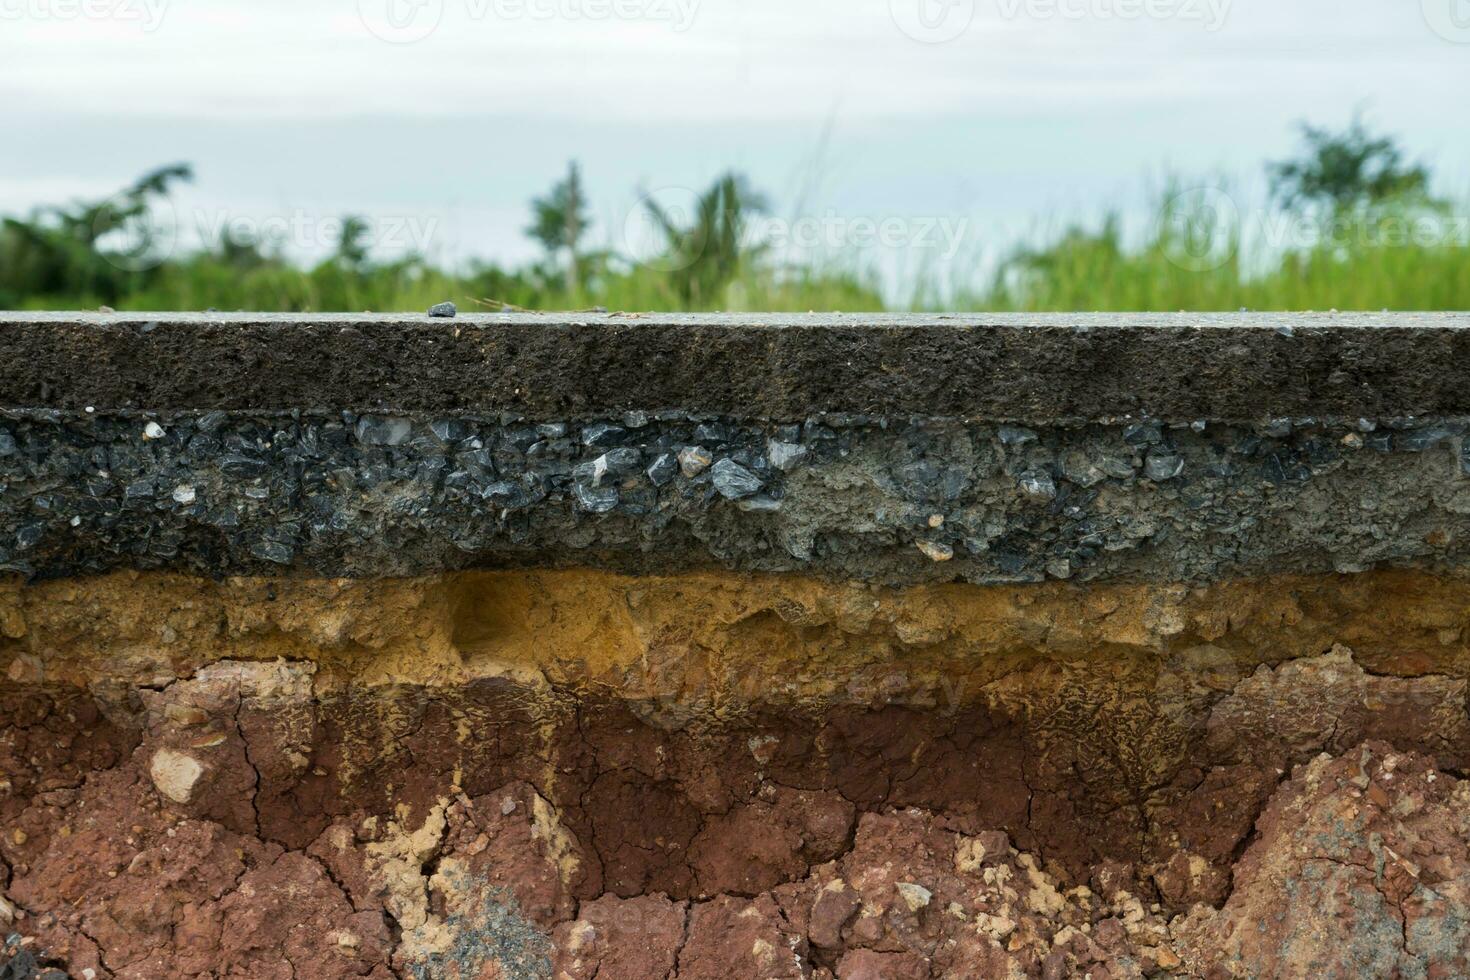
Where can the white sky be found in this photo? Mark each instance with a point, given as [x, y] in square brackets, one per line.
[1030, 110]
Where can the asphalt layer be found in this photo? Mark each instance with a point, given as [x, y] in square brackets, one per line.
[1028, 369]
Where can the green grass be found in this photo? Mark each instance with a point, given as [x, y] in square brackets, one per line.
[1081, 270]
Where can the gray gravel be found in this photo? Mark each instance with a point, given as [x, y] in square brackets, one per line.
[885, 499]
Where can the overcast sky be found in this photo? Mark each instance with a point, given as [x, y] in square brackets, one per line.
[452, 113]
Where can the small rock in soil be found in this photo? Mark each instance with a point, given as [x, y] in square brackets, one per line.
[734, 481]
[694, 461]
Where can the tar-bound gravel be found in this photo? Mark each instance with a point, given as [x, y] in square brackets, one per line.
[888, 500]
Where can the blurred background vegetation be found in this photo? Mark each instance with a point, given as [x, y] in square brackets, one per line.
[1350, 225]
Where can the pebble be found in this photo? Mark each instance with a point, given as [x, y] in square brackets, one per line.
[1421, 439]
[444, 310]
[1277, 429]
[450, 431]
[1038, 485]
[785, 456]
[1078, 469]
[663, 469]
[602, 434]
[616, 463]
[1163, 467]
[734, 481]
[175, 774]
[596, 500]
[694, 460]
[153, 431]
[936, 551]
[914, 896]
[1143, 434]
[273, 551]
[1014, 435]
[504, 494]
[1059, 568]
[374, 431]
[714, 433]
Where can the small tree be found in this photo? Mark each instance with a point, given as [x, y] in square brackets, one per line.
[75, 251]
[706, 254]
[1347, 172]
[353, 242]
[560, 222]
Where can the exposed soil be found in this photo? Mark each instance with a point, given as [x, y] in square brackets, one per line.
[578, 774]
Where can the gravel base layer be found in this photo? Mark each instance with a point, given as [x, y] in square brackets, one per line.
[882, 499]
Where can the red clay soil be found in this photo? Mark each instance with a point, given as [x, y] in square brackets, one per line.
[1358, 868]
[268, 780]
